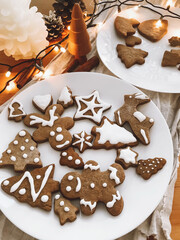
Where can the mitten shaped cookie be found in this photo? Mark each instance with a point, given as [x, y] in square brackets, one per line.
[65, 98]
[82, 141]
[64, 209]
[140, 124]
[126, 157]
[21, 152]
[109, 135]
[71, 159]
[33, 187]
[16, 111]
[50, 126]
[93, 186]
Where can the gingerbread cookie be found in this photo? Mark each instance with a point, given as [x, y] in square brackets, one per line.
[146, 168]
[140, 124]
[153, 29]
[33, 187]
[21, 152]
[42, 102]
[16, 111]
[124, 26]
[131, 41]
[130, 56]
[71, 159]
[176, 51]
[50, 126]
[174, 41]
[109, 135]
[64, 209]
[82, 141]
[126, 157]
[65, 98]
[93, 186]
[90, 107]
[170, 59]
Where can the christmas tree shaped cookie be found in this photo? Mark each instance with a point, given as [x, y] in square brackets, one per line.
[34, 188]
[21, 152]
[16, 111]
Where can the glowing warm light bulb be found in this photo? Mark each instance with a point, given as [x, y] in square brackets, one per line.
[68, 27]
[39, 74]
[56, 49]
[136, 8]
[47, 73]
[63, 49]
[158, 23]
[170, 3]
[8, 74]
[10, 86]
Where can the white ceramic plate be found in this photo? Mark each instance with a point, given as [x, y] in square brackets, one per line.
[150, 75]
[140, 197]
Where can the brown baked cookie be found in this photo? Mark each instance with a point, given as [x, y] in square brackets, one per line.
[33, 187]
[21, 152]
[82, 141]
[42, 102]
[71, 159]
[16, 111]
[140, 124]
[146, 168]
[93, 186]
[131, 41]
[65, 98]
[127, 157]
[130, 56]
[170, 59]
[153, 29]
[124, 26]
[176, 51]
[64, 209]
[90, 107]
[174, 41]
[109, 135]
[50, 126]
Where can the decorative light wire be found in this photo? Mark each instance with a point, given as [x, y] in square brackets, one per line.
[37, 62]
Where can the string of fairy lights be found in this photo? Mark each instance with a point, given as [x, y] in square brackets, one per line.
[98, 9]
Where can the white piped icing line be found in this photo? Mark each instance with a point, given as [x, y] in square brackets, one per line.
[144, 136]
[44, 198]
[22, 133]
[11, 108]
[139, 116]
[42, 101]
[141, 96]
[78, 187]
[115, 198]
[65, 96]
[63, 144]
[128, 155]
[81, 140]
[113, 174]
[119, 118]
[88, 203]
[6, 183]
[92, 167]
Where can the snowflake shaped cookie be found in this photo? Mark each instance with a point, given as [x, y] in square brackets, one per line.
[90, 107]
[82, 141]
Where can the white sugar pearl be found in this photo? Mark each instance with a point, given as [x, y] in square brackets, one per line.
[22, 191]
[25, 155]
[44, 198]
[61, 203]
[104, 185]
[59, 129]
[70, 158]
[57, 196]
[70, 177]
[9, 151]
[13, 158]
[15, 142]
[1, 161]
[52, 133]
[22, 133]
[22, 148]
[32, 148]
[59, 137]
[6, 182]
[36, 160]
[92, 185]
[64, 154]
[26, 140]
[38, 176]
[68, 188]
[77, 162]
[66, 209]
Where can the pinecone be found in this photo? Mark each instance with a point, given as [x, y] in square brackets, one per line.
[64, 8]
[54, 25]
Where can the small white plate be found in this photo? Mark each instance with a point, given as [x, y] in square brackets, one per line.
[150, 75]
[140, 197]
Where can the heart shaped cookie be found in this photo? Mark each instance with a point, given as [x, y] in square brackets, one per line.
[42, 102]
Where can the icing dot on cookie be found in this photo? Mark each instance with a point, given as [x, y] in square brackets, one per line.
[22, 133]
[32, 148]
[6, 182]
[44, 198]
[13, 158]
[104, 184]
[52, 133]
[38, 176]
[68, 188]
[57, 196]
[77, 162]
[36, 160]
[66, 209]
[15, 142]
[59, 137]
[1, 161]
[25, 155]
[26, 140]
[22, 191]
[9, 151]
[22, 148]
[151, 120]
[59, 129]
[61, 203]
[92, 185]
[64, 154]
[70, 177]
[130, 96]
[70, 158]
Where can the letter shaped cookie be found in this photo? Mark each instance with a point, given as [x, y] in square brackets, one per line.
[93, 186]
[50, 126]
[139, 123]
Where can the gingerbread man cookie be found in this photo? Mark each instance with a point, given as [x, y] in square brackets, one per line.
[140, 124]
[33, 187]
[42, 102]
[93, 186]
[71, 159]
[82, 141]
[126, 157]
[65, 98]
[52, 127]
[16, 111]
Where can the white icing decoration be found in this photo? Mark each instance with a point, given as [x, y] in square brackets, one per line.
[13, 158]
[65, 96]
[15, 142]
[70, 158]
[57, 196]
[1, 161]
[27, 140]
[31, 182]
[88, 203]
[141, 96]
[92, 167]
[32, 148]
[62, 145]
[22, 133]
[77, 161]
[44, 122]
[91, 107]
[25, 155]
[38, 176]
[78, 187]
[59, 129]
[9, 151]
[61, 203]
[6, 182]
[104, 185]
[22, 191]
[68, 188]
[11, 108]
[92, 185]
[128, 155]
[140, 117]
[115, 197]
[81, 140]
[59, 137]
[144, 136]
[36, 160]
[64, 154]
[151, 120]
[119, 118]
[70, 177]
[113, 174]
[66, 209]
[114, 134]
[52, 133]
[44, 198]
[42, 101]
[130, 96]
[22, 148]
